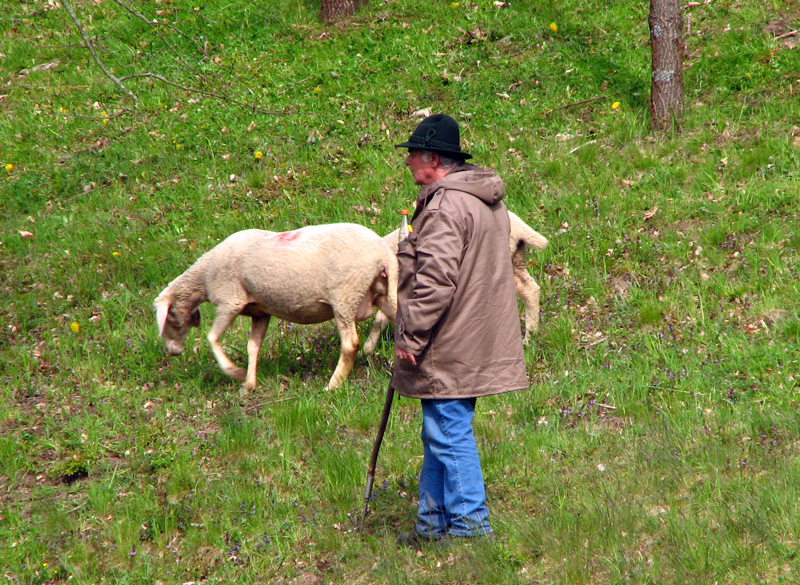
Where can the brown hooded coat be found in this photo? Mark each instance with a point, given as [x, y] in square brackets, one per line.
[457, 306]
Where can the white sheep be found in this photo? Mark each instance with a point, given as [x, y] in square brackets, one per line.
[520, 237]
[310, 275]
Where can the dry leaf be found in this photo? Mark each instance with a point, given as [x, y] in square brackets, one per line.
[423, 113]
[25, 235]
[651, 213]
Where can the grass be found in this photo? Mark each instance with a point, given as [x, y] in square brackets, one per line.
[658, 440]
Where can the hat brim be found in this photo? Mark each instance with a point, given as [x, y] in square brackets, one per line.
[451, 153]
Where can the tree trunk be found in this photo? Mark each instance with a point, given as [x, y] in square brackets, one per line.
[335, 9]
[666, 42]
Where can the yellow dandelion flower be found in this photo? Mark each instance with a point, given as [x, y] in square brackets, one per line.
[615, 105]
[259, 155]
[75, 327]
[178, 146]
[553, 27]
[318, 89]
[9, 168]
[115, 254]
[455, 5]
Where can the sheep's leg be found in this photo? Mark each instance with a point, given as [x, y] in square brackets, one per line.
[529, 290]
[221, 323]
[349, 335]
[257, 332]
[381, 320]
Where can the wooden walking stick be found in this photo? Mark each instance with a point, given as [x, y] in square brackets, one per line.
[387, 407]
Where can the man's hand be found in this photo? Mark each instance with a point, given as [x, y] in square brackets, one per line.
[402, 354]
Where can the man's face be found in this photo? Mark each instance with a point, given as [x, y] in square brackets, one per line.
[424, 173]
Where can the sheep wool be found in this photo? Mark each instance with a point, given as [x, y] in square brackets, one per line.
[333, 271]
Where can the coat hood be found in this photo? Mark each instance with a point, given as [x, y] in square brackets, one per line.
[483, 184]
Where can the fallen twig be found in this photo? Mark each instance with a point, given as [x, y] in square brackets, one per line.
[573, 152]
[260, 404]
[580, 103]
[76, 508]
[791, 33]
[694, 4]
[292, 85]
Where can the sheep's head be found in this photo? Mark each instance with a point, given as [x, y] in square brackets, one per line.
[174, 324]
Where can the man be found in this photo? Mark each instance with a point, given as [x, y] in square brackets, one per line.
[457, 332]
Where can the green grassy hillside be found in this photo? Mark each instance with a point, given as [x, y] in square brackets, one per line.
[658, 440]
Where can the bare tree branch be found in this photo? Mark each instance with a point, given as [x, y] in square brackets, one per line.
[97, 60]
[210, 94]
[154, 23]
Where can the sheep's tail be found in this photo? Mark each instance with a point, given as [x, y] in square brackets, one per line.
[522, 232]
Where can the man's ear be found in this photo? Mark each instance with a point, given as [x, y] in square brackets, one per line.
[435, 160]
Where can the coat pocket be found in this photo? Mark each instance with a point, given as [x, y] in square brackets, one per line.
[407, 265]
[406, 248]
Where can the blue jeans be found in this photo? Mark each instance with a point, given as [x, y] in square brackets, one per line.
[452, 498]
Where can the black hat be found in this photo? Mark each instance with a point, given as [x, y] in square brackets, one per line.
[437, 133]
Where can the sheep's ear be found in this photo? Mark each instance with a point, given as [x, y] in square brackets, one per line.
[162, 311]
[195, 319]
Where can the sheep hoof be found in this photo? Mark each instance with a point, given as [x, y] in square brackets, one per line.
[238, 374]
[246, 389]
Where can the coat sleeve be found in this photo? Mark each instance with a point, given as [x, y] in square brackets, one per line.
[439, 250]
